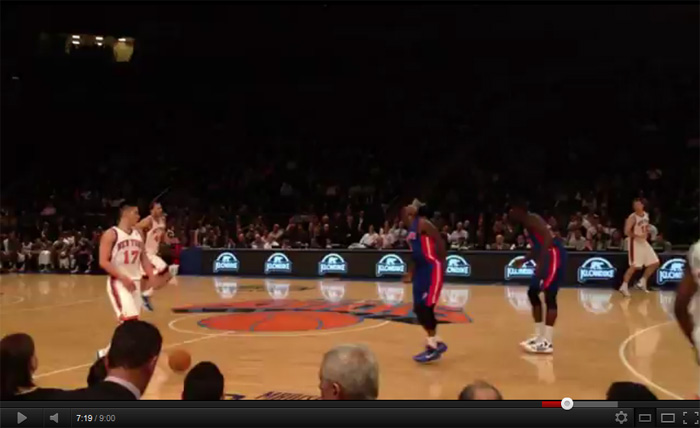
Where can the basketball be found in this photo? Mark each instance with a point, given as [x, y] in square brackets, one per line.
[179, 360]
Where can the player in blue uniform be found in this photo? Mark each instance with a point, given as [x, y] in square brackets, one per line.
[426, 272]
[550, 257]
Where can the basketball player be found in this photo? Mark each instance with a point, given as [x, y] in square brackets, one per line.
[689, 296]
[640, 253]
[550, 257]
[123, 258]
[153, 227]
[428, 253]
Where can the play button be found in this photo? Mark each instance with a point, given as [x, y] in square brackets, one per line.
[20, 418]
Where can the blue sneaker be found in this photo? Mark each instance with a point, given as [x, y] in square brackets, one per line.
[441, 347]
[147, 303]
[430, 354]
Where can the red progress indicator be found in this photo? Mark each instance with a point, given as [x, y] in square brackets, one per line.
[556, 404]
[566, 404]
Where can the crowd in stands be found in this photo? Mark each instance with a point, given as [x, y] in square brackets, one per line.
[347, 372]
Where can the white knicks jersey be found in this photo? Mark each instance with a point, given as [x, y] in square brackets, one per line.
[155, 235]
[641, 225]
[126, 253]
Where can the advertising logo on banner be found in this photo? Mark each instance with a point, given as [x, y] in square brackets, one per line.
[278, 263]
[226, 262]
[457, 266]
[332, 263]
[526, 271]
[671, 271]
[391, 264]
[596, 269]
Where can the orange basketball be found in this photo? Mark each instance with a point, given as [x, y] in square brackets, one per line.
[179, 360]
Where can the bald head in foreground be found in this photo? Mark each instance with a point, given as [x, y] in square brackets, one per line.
[480, 390]
[349, 372]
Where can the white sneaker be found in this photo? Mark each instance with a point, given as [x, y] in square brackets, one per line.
[625, 291]
[529, 342]
[541, 347]
[642, 285]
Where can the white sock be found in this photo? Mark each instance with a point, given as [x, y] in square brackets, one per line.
[624, 285]
[147, 293]
[433, 341]
[548, 333]
[539, 330]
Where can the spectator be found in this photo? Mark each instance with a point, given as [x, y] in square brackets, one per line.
[661, 244]
[576, 241]
[18, 363]
[349, 372]
[480, 390]
[371, 238]
[241, 242]
[131, 361]
[388, 239]
[499, 245]
[97, 373]
[259, 243]
[276, 234]
[629, 391]
[616, 243]
[520, 244]
[459, 237]
[204, 382]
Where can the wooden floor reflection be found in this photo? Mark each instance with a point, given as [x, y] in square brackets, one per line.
[269, 335]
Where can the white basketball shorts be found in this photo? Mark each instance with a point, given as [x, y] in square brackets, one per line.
[127, 304]
[640, 254]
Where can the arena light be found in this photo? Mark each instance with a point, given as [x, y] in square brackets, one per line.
[99, 43]
[76, 37]
[122, 39]
[76, 42]
[99, 38]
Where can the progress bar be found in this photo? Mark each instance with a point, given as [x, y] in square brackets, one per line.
[568, 404]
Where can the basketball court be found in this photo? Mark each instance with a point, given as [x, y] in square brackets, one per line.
[268, 336]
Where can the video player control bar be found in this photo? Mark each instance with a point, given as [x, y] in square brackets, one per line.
[320, 417]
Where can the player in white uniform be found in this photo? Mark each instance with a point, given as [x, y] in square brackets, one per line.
[640, 253]
[123, 258]
[688, 301]
[153, 227]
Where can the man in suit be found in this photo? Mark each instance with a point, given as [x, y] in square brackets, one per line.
[130, 362]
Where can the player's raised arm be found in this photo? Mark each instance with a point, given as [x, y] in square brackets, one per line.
[429, 229]
[144, 224]
[106, 244]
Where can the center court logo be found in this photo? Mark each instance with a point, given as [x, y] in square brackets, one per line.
[457, 266]
[526, 271]
[332, 263]
[226, 262]
[391, 264]
[671, 271]
[278, 263]
[596, 269]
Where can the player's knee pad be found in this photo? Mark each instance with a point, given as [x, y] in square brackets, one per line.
[550, 298]
[534, 296]
[425, 315]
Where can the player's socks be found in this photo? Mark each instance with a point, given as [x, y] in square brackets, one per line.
[625, 289]
[539, 334]
[436, 343]
[642, 285]
[147, 293]
[549, 333]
